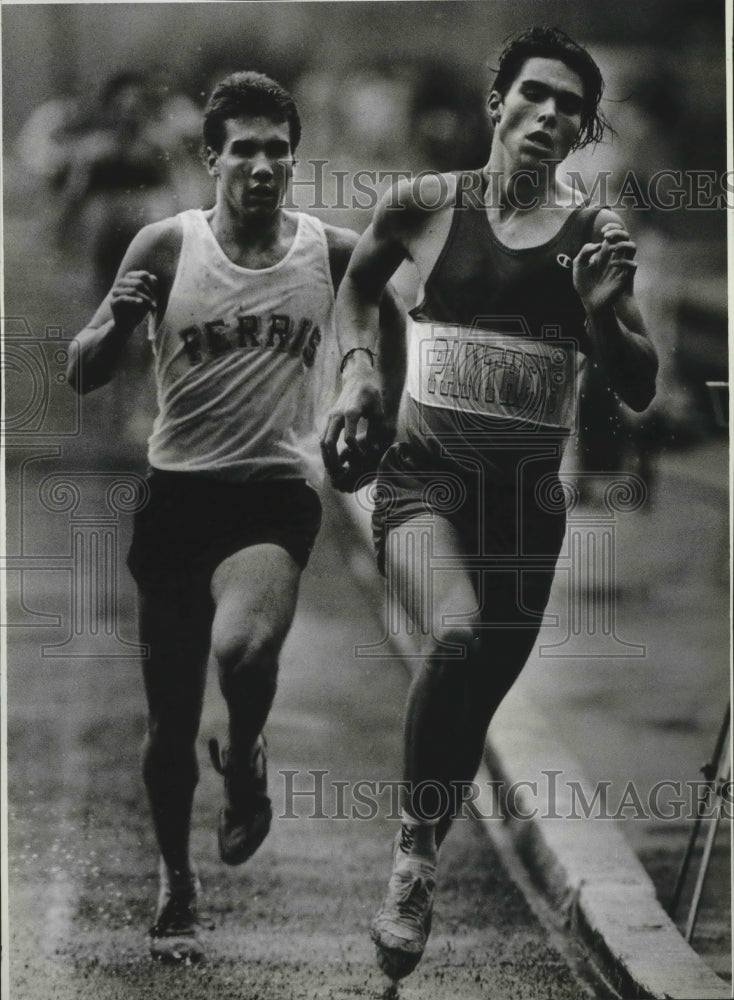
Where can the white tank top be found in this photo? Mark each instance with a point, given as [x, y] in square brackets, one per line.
[245, 360]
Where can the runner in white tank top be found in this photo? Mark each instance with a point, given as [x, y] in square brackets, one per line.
[241, 301]
[242, 357]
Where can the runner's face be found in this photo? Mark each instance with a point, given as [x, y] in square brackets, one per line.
[539, 118]
[254, 166]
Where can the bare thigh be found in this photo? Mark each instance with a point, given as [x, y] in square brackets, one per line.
[440, 597]
[255, 591]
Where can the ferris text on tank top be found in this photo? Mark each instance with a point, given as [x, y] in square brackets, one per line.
[244, 360]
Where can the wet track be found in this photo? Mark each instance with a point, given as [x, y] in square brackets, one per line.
[294, 921]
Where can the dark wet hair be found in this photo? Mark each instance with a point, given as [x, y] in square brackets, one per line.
[552, 43]
[248, 94]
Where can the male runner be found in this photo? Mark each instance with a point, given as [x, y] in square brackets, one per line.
[240, 300]
[519, 281]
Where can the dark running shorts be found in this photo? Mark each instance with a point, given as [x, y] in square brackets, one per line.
[509, 535]
[191, 523]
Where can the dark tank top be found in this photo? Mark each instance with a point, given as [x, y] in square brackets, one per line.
[495, 343]
[478, 281]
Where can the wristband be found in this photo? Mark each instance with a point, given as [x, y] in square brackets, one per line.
[354, 350]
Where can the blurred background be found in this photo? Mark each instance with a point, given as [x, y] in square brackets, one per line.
[101, 134]
[101, 109]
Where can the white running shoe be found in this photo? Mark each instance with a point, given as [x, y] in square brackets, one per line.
[402, 924]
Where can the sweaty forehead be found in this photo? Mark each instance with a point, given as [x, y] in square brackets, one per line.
[551, 72]
[255, 127]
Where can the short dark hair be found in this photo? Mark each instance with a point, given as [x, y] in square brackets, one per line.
[552, 43]
[248, 94]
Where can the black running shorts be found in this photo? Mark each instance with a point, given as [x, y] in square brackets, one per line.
[191, 523]
[511, 526]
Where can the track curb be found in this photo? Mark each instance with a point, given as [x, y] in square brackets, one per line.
[584, 864]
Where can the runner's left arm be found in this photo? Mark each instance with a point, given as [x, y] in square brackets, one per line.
[603, 277]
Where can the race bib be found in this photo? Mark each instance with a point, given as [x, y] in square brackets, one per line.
[497, 374]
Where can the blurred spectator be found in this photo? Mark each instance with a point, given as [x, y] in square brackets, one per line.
[374, 112]
[647, 118]
[118, 177]
[420, 115]
[46, 140]
[450, 127]
[176, 122]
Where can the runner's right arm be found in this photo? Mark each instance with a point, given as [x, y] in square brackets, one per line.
[378, 254]
[142, 285]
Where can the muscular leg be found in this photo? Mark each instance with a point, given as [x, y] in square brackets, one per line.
[452, 699]
[443, 605]
[175, 625]
[255, 592]
[503, 655]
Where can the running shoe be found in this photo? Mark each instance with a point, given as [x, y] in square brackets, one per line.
[174, 937]
[403, 922]
[244, 820]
